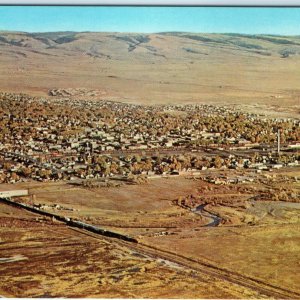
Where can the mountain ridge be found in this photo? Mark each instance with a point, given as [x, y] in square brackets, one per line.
[169, 67]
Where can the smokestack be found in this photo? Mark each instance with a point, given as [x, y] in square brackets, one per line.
[278, 142]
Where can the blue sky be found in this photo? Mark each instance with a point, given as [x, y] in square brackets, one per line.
[285, 21]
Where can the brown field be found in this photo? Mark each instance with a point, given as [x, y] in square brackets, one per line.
[40, 258]
[260, 240]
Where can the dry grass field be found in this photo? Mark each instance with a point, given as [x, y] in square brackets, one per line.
[40, 258]
[260, 240]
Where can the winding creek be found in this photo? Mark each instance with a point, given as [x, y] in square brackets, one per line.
[200, 210]
[259, 209]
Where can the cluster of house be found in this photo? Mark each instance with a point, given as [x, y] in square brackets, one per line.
[62, 138]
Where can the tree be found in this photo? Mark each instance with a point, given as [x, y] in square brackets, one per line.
[14, 176]
[218, 162]
[26, 172]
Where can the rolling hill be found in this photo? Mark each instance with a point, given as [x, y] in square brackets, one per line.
[167, 67]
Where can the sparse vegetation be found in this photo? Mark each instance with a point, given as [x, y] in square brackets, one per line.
[120, 136]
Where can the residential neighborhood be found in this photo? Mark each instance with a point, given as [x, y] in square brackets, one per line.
[67, 139]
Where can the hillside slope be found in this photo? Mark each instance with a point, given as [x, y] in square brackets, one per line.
[172, 67]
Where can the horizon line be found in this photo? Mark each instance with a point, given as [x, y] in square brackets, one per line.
[144, 32]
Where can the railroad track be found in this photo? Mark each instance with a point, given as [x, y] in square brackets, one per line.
[197, 265]
[206, 268]
[214, 271]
